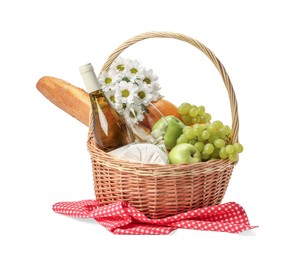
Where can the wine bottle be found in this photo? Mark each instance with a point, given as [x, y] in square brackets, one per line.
[110, 129]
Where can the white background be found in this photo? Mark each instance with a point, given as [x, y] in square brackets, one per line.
[44, 158]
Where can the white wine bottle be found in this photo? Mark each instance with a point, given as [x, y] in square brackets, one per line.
[110, 129]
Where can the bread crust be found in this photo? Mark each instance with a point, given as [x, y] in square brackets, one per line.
[69, 98]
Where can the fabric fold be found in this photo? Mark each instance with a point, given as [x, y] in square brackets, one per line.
[122, 218]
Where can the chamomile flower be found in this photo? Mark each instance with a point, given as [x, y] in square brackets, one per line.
[125, 93]
[107, 79]
[144, 94]
[133, 66]
[118, 65]
[134, 114]
[148, 77]
[110, 94]
[148, 92]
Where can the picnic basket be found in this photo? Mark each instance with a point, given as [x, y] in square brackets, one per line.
[163, 190]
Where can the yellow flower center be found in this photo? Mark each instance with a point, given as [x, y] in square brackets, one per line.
[125, 93]
[112, 98]
[108, 81]
[147, 81]
[134, 70]
[141, 94]
[120, 67]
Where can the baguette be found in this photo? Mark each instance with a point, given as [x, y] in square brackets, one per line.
[76, 101]
[73, 100]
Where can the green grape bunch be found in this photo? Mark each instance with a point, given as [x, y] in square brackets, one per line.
[212, 140]
[191, 114]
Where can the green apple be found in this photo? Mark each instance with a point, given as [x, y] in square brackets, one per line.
[184, 153]
[173, 131]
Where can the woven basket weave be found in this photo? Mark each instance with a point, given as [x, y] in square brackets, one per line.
[163, 190]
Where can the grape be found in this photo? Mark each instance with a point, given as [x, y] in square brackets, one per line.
[193, 112]
[199, 146]
[207, 117]
[182, 139]
[187, 128]
[184, 108]
[198, 155]
[215, 154]
[186, 119]
[222, 133]
[208, 148]
[201, 110]
[195, 120]
[225, 131]
[188, 132]
[238, 148]
[200, 139]
[223, 154]
[218, 124]
[202, 120]
[211, 128]
[198, 129]
[205, 156]
[230, 149]
[219, 143]
[215, 127]
[212, 138]
[233, 157]
[205, 135]
[192, 141]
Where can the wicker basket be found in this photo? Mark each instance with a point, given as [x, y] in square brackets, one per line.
[163, 190]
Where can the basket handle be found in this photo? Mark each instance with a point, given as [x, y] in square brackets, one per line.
[201, 47]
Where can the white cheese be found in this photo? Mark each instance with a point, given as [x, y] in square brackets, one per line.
[141, 152]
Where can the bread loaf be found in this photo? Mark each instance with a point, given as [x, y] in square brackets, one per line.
[76, 101]
[73, 100]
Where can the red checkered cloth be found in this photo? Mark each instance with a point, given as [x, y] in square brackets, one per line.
[122, 218]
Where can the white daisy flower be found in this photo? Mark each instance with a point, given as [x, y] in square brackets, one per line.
[110, 94]
[148, 77]
[107, 79]
[118, 104]
[133, 66]
[134, 114]
[126, 92]
[148, 93]
[118, 65]
[144, 94]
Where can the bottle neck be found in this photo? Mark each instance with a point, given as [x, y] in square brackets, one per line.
[89, 77]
